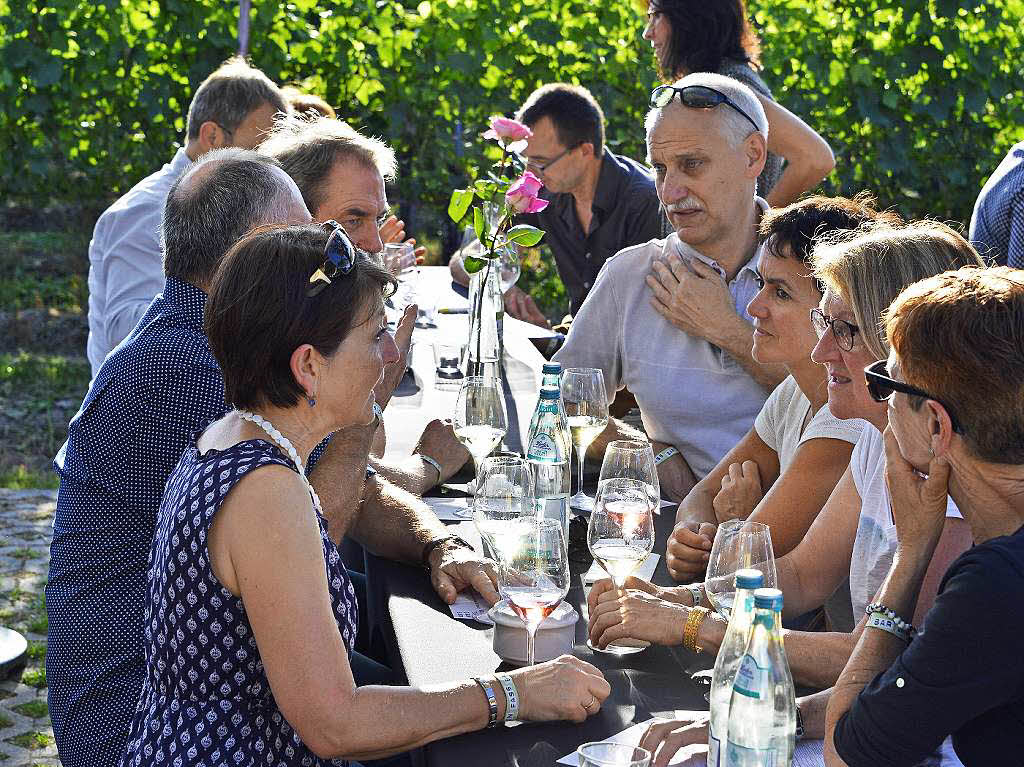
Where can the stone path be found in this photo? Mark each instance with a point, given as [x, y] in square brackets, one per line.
[26, 521]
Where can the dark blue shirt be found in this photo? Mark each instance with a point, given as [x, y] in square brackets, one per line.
[962, 676]
[997, 226]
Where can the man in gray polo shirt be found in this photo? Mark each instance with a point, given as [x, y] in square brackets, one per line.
[668, 319]
[234, 106]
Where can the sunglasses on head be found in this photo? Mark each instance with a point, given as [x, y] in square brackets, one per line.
[881, 387]
[339, 258]
[696, 97]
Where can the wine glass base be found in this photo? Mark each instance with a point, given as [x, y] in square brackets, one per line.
[582, 502]
[621, 647]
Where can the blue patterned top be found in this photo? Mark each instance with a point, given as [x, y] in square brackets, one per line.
[206, 699]
[997, 225]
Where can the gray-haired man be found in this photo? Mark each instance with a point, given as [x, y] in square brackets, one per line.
[667, 319]
[234, 106]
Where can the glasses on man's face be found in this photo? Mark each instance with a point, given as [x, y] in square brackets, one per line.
[844, 332]
[533, 165]
[881, 387]
[696, 97]
[339, 258]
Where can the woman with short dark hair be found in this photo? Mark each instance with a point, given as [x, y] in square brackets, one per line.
[250, 616]
[700, 36]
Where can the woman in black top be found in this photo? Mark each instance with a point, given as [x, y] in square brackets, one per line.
[701, 36]
[955, 385]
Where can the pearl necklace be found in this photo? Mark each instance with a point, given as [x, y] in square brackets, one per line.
[285, 444]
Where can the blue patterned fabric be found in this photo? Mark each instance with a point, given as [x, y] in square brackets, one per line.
[206, 698]
[997, 225]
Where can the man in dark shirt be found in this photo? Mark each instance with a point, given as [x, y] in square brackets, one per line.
[600, 202]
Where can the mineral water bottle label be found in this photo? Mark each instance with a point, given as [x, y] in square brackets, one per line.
[714, 746]
[749, 678]
[542, 448]
[750, 757]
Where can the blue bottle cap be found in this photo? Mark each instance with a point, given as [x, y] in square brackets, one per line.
[768, 599]
[550, 392]
[551, 368]
[749, 579]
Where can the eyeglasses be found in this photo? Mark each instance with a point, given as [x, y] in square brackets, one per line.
[696, 97]
[844, 332]
[339, 258]
[881, 387]
[531, 164]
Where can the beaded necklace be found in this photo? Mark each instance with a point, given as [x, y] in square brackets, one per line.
[285, 444]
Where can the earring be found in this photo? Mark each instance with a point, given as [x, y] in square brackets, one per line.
[311, 401]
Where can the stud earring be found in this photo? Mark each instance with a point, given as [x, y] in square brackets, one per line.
[311, 401]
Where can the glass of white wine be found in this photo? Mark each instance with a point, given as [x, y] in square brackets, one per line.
[621, 529]
[738, 544]
[533, 572]
[479, 420]
[586, 409]
[504, 495]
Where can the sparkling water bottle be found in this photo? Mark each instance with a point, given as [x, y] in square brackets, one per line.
[762, 710]
[552, 372]
[547, 451]
[729, 656]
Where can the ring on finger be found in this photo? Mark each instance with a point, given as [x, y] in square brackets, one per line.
[586, 706]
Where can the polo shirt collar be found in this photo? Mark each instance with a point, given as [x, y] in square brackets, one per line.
[609, 183]
[686, 251]
[189, 300]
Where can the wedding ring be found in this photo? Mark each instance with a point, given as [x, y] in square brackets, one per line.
[586, 706]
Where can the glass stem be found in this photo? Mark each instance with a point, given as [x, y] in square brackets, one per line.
[581, 453]
[531, 636]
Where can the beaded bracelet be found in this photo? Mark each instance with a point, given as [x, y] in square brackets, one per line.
[905, 626]
[492, 701]
[511, 697]
[692, 626]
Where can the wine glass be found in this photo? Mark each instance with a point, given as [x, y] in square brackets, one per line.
[509, 267]
[479, 420]
[504, 494]
[621, 529]
[605, 754]
[533, 572]
[738, 544]
[586, 409]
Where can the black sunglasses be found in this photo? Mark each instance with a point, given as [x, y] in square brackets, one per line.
[881, 387]
[339, 258]
[696, 97]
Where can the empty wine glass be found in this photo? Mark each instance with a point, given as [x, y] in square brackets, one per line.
[738, 544]
[533, 572]
[479, 420]
[586, 410]
[504, 495]
[605, 754]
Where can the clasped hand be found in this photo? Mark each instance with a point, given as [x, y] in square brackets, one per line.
[693, 297]
[639, 611]
[741, 492]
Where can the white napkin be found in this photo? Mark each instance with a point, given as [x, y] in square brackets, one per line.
[645, 570]
[446, 508]
[470, 606]
[808, 753]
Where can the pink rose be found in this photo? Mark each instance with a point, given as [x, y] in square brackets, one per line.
[507, 131]
[522, 195]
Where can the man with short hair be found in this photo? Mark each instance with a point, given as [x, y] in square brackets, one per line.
[668, 319]
[997, 225]
[600, 202]
[234, 106]
[341, 174]
[151, 396]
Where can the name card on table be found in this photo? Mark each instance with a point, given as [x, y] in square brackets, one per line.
[808, 753]
[470, 606]
[645, 570]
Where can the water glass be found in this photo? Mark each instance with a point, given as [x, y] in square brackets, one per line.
[738, 544]
[605, 754]
[448, 365]
[504, 495]
[586, 410]
[479, 419]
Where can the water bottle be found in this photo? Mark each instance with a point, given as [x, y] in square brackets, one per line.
[729, 656]
[552, 372]
[547, 451]
[762, 709]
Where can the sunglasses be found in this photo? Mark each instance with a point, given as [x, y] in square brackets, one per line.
[339, 258]
[696, 97]
[844, 332]
[881, 387]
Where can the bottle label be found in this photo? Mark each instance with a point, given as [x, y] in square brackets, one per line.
[749, 678]
[542, 448]
[714, 746]
[763, 757]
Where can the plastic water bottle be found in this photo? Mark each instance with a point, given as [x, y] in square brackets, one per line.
[729, 656]
[547, 451]
[762, 710]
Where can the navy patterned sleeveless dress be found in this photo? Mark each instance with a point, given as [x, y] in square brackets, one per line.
[206, 699]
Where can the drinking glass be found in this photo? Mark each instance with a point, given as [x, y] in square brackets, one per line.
[504, 495]
[479, 420]
[586, 409]
[448, 365]
[604, 754]
[533, 572]
[397, 257]
[738, 544]
[621, 529]
[509, 268]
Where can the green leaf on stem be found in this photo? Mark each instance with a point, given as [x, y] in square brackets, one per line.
[525, 235]
[480, 224]
[473, 264]
[459, 204]
[485, 190]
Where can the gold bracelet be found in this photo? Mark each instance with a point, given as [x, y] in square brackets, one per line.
[693, 623]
